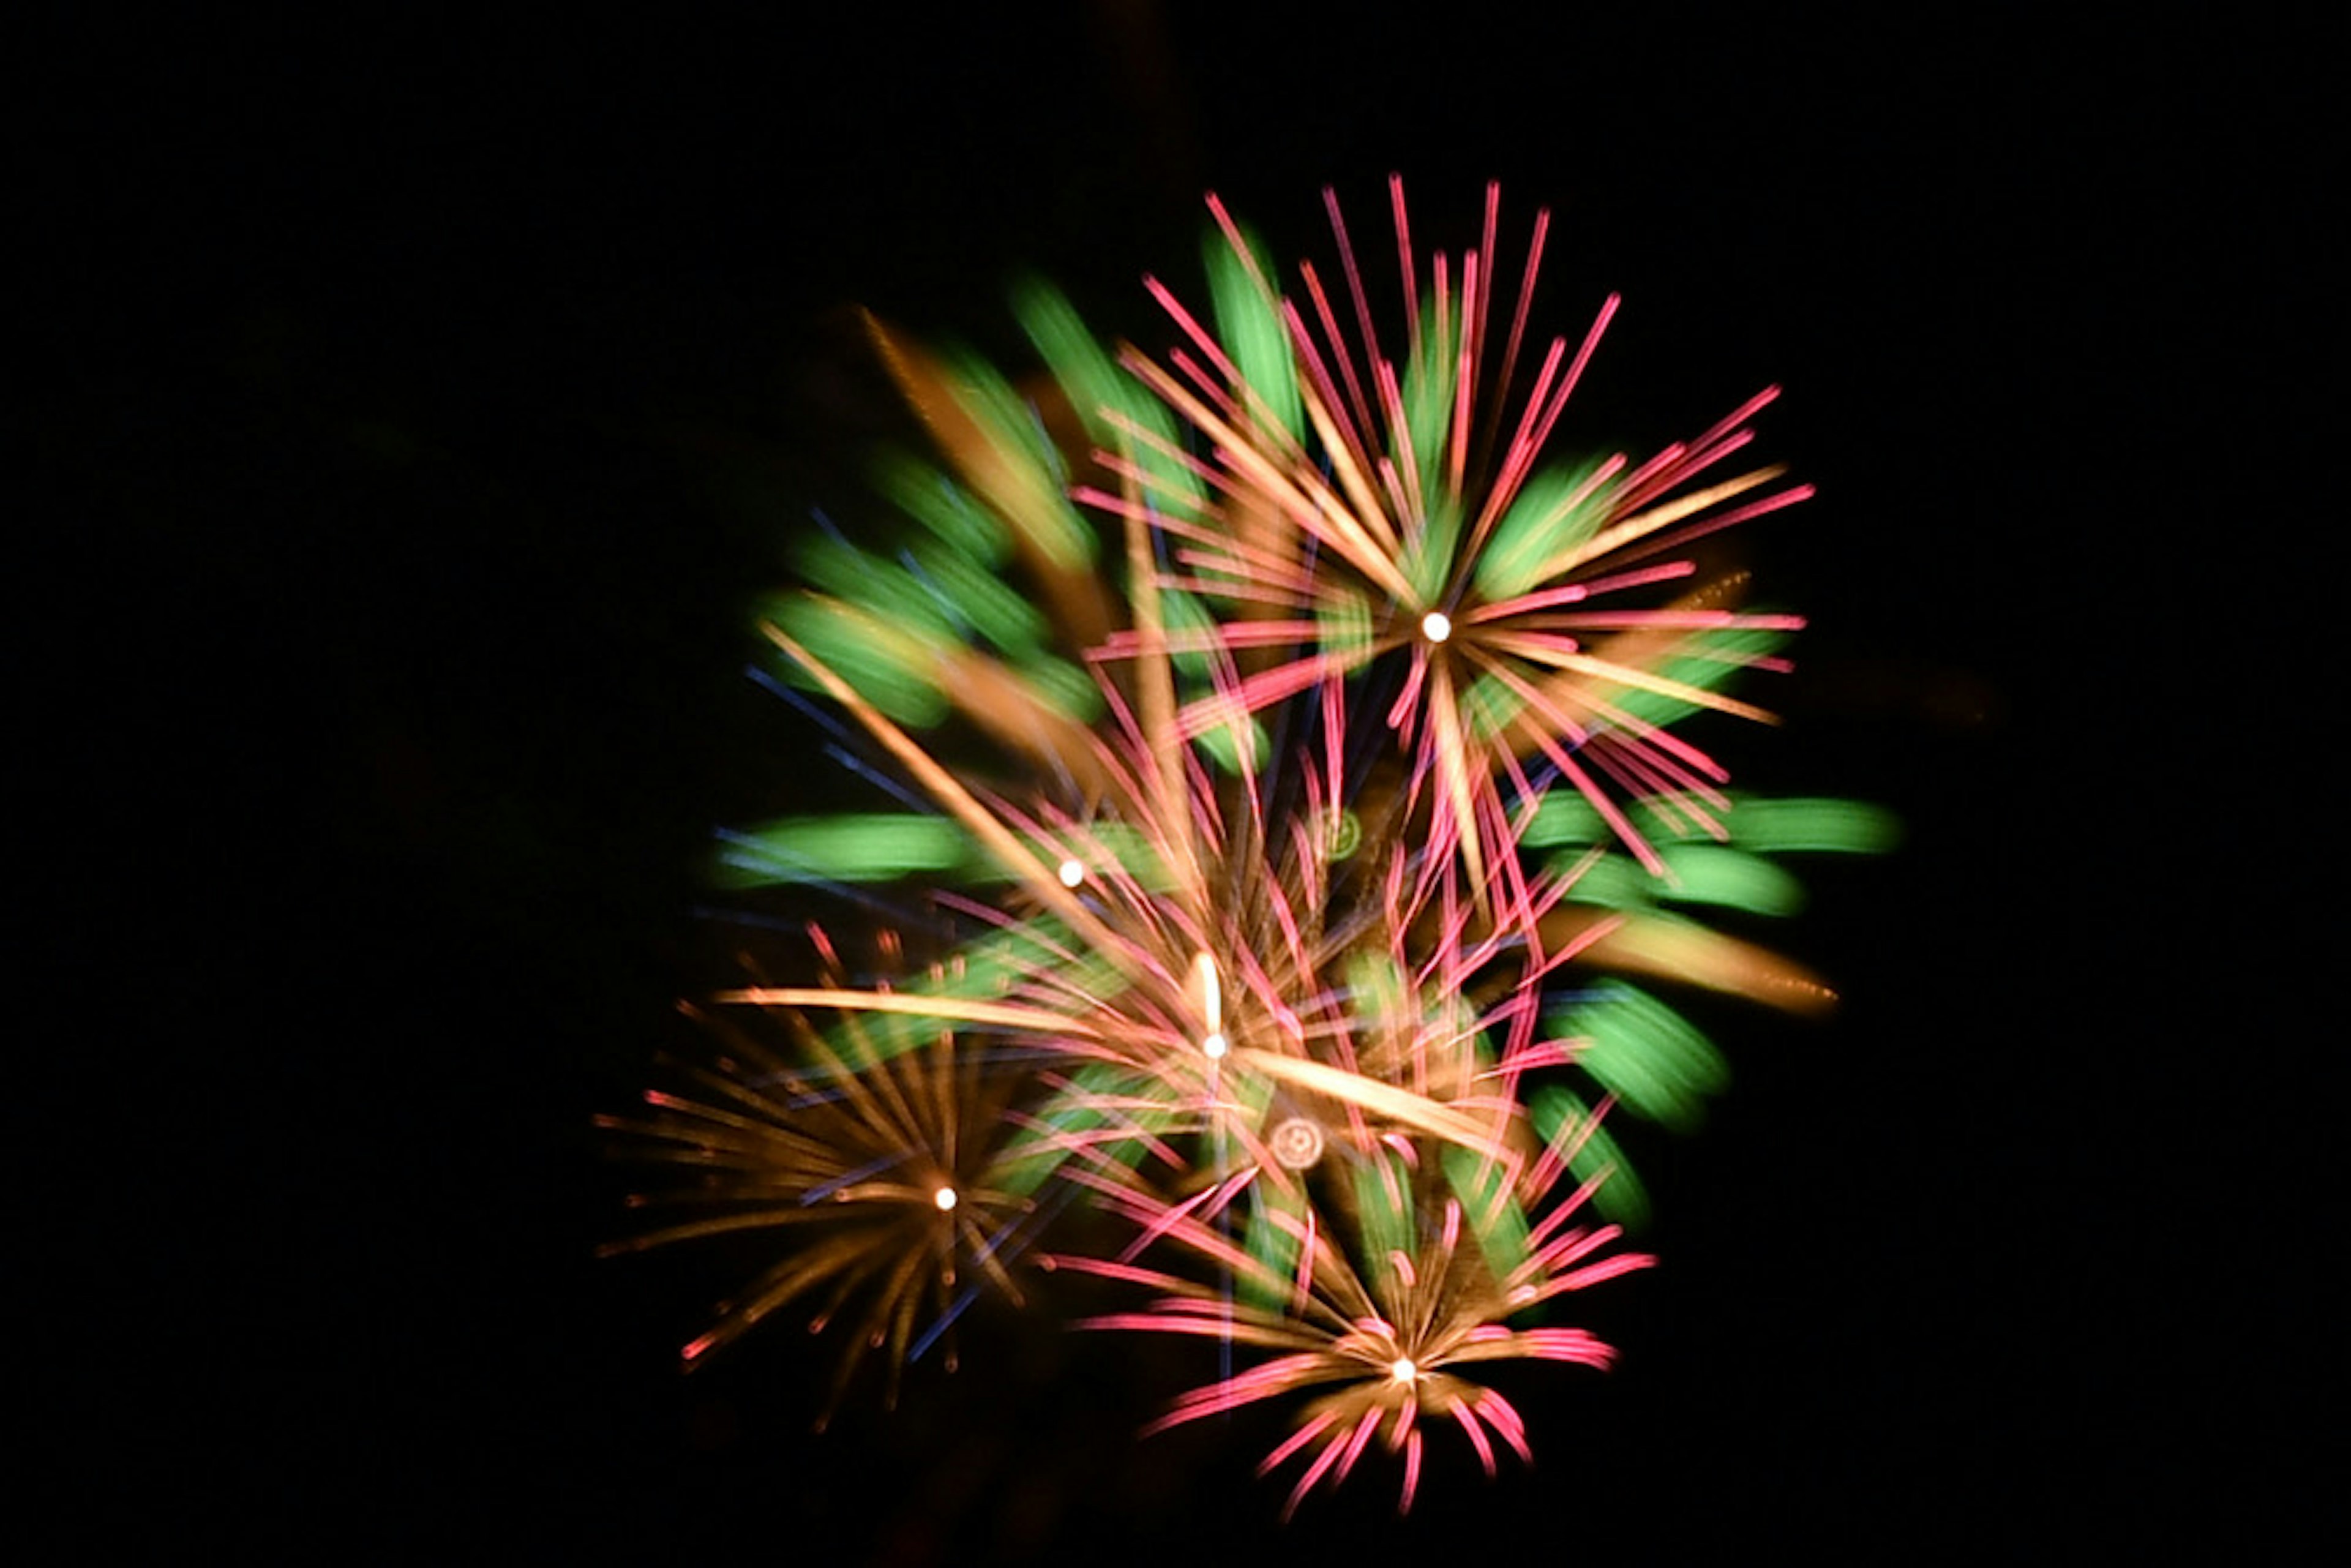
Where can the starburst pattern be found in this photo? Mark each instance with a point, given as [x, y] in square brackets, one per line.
[1315, 799]
[875, 1166]
[1376, 1308]
[1354, 508]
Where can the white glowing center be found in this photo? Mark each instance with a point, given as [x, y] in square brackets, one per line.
[944, 1197]
[1435, 626]
[1403, 1370]
[1214, 1045]
[1073, 873]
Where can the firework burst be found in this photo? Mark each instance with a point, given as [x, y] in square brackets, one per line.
[874, 1162]
[1376, 1293]
[1332, 798]
[1354, 508]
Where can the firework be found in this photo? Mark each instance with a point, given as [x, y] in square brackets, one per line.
[1373, 1306]
[1315, 804]
[1357, 507]
[875, 1164]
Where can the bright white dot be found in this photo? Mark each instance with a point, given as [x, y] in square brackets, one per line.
[1403, 1370]
[944, 1197]
[1214, 1045]
[1435, 626]
[1073, 873]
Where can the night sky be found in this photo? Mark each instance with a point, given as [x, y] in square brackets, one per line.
[439, 390]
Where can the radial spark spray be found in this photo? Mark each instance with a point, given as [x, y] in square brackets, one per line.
[1296, 792]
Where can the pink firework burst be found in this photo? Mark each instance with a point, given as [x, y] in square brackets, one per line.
[1359, 499]
[1387, 1274]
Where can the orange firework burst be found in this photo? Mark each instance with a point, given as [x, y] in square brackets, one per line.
[876, 1160]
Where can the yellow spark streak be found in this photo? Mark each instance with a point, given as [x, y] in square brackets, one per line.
[1540, 652]
[1657, 518]
[1453, 772]
[1708, 959]
[1328, 518]
[957, 1010]
[1039, 880]
[877, 1095]
[1213, 1044]
[1212, 995]
[1384, 1099]
[1351, 478]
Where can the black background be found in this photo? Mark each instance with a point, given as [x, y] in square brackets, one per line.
[438, 389]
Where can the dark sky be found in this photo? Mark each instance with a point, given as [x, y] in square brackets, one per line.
[441, 388]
